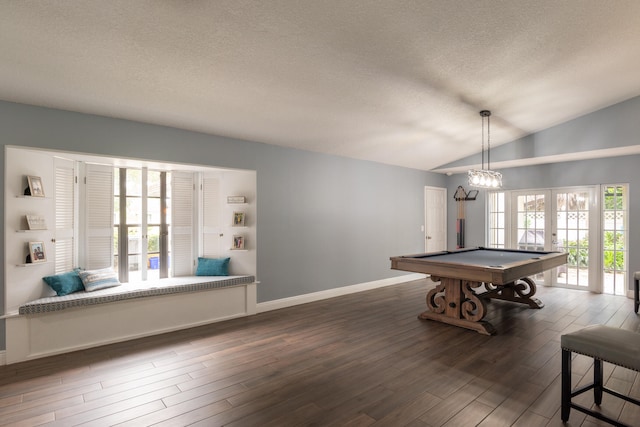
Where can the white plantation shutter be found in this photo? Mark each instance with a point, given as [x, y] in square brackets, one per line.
[211, 215]
[65, 215]
[99, 211]
[182, 188]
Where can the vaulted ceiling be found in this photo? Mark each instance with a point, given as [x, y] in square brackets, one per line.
[397, 82]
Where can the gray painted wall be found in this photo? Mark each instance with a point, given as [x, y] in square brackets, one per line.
[322, 221]
[616, 126]
[325, 221]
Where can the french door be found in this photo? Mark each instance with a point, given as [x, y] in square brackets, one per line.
[564, 219]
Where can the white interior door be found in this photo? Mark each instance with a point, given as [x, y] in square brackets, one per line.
[435, 211]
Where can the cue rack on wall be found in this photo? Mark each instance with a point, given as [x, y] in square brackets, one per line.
[462, 196]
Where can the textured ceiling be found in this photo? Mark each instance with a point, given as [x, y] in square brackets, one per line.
[397, 82]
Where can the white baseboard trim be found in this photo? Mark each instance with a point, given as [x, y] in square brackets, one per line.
[3, 358]
[336, 292]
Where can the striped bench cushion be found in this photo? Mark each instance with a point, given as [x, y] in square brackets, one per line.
[128, 291]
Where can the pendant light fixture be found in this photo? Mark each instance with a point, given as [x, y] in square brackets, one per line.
[485, 178]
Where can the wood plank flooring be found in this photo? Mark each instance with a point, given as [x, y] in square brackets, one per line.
[357, 360]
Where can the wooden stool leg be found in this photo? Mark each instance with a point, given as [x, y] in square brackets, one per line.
[597, 381]
[636, 297]
[566, 385]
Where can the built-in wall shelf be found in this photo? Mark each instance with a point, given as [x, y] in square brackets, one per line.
[236, 200]
[31, 264]
[10, 314]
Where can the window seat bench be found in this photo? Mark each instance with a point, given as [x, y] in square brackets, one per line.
[128, 291]
[62, 324]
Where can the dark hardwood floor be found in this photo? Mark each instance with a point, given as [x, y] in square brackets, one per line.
[357, 360]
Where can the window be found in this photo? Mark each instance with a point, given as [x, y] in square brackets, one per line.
[147, 220]
[142, 216]
[79, 213]
[496, 223]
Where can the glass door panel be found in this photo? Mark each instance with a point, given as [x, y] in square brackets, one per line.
[614, 213]
[531, 223]
[572, 236]
[497, 220]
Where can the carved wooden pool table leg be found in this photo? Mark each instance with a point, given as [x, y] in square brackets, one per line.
[520, 291]
[453, 301]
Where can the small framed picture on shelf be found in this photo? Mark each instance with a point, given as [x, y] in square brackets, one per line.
[35, 188]
[238, 219]
[238, 242]
[36, 222]
[36, 252]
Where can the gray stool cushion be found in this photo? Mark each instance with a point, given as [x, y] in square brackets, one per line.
[636, 275]
[618, 346]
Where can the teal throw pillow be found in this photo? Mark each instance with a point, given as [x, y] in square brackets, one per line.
[65, 283]
[99, 279]
[213, 267]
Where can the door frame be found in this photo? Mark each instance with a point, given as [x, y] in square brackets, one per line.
[594, 282]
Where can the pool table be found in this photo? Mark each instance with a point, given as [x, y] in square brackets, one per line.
[503, 273]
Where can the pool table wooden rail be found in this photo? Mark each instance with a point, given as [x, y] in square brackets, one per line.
[497, 275]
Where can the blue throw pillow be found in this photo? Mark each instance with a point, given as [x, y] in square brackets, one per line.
[65, 283]
[213, 267]
[99, 279]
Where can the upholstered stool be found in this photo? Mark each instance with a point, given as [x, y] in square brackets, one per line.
[636, 285]
[620, 347]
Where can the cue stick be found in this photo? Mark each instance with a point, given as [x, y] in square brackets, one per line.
[460, 197]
